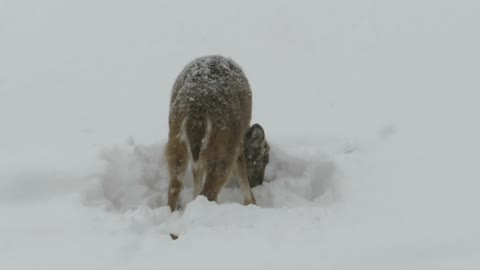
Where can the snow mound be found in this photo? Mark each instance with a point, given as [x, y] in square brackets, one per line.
[136, 176]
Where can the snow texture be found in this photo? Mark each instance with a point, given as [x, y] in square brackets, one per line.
[370, 108]
[136, 175]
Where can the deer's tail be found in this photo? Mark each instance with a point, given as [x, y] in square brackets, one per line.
[197, 128]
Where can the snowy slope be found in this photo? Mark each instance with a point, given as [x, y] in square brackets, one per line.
[370, 108]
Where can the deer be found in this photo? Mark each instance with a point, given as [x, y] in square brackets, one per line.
[209, 129]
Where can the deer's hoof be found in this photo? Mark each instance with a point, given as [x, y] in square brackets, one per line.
[250, 201]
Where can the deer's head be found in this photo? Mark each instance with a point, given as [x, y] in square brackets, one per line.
[256, 153]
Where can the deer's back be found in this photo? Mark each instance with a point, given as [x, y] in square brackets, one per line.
[214, 87]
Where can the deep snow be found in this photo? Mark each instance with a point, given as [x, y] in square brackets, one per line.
[370, 108]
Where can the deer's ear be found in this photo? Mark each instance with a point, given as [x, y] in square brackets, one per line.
[255, 135]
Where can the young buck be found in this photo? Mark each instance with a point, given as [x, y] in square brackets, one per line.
[210, 111]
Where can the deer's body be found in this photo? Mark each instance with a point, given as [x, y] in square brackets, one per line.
[210, 111]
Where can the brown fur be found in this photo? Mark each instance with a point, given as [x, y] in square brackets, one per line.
[210, 111]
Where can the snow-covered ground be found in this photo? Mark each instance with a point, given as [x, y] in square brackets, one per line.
[371, 109]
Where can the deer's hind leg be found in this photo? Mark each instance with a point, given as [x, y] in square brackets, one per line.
[199, 171]
[217, 174]
[177, 158]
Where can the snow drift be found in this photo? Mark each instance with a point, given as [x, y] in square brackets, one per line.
[136, 175]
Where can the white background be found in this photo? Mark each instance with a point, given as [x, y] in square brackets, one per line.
[376, 100]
